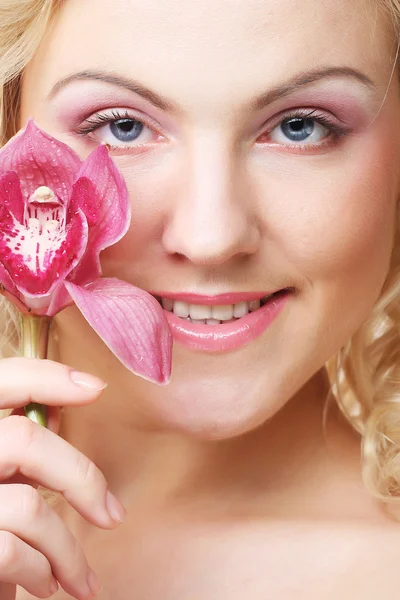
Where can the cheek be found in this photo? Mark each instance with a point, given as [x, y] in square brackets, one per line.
[151, 189]
[334, 225]
[334, 222]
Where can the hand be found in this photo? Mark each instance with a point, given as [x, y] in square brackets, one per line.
[37, 550]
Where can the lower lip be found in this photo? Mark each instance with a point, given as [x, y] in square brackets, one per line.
[228, 336]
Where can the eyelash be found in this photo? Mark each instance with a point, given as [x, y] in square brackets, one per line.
[336, 131]
[103, 118]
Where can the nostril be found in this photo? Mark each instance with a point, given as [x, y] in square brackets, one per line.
[209, 242]
[179, 257]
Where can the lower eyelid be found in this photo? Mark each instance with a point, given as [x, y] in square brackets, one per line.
[133, 151]
[311, 149]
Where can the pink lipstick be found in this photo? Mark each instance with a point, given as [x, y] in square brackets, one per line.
[229, 335]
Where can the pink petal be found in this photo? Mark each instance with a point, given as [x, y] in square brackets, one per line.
[88, 269]
[6, 281]
[59, 300]
[10, 194]
[102, 194]
[37, 263]
[83, 196]
[39, 159]
[131, 323]
[111, 198]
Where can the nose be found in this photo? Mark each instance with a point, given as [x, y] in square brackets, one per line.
[212, 217]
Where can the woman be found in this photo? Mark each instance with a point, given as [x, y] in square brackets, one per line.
[260, 144]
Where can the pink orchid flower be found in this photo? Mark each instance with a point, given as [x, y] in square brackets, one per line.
[57, 213]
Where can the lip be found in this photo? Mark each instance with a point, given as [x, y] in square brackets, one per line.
[215, 300]
[229, 336]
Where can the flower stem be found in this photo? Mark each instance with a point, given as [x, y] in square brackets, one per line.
[34, 344]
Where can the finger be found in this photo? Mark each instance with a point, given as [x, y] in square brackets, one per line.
[53, 424]
[24, 380]
[38, 453]
[24, 513]
[20, 564]
[53, 414]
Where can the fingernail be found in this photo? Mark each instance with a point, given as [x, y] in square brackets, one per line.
[87, 381]
[115, 509]
[53, 586]
[94, 583]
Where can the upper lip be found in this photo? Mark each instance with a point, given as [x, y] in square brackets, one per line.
[218, 299]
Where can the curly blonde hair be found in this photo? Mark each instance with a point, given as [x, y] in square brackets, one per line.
[365, 374]
[22, 26]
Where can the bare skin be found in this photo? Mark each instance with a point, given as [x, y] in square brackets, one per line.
[252, 525]
[231, 486]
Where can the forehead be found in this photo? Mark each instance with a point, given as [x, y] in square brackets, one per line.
[180, 47]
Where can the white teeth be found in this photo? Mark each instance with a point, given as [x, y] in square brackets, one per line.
[212, 315]
[181, 309]
[222, 313]
[198, 311]
[240, 309]
[254, 305]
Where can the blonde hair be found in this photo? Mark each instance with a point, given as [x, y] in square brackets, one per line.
[22, 26]
[365, 374]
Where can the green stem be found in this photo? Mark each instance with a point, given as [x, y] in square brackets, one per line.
[34, 344]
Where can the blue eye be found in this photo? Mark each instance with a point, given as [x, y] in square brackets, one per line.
[126, 130]
[119, 130]
[298, 129]
[306, 130]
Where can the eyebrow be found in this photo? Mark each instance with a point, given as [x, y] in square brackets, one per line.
[119, 81]
[280, 91]
[306, 78]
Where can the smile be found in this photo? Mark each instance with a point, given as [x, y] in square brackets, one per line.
[221, 323]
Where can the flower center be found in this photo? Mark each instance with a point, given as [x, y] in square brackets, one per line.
[44, 212]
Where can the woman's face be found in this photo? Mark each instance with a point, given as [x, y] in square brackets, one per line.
[260, 142]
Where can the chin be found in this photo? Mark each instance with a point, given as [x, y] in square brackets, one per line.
[205, 400]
